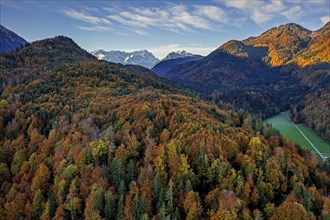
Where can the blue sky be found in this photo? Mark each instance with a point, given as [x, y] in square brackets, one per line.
[159, 26]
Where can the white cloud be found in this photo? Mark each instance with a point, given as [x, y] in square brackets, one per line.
[173, 17]
[293, 13]
[181, 15]
[239, 4]
[262, 12]
[143, 33]
[129, 22]
[182, 18]
[309, 1]
[258, 11]
[260, 17]
[213, 13]
[93, 28]
[273, 7]
[110, 10]
[84, 17]
[141, 20]
[325, 19]
[90, 9]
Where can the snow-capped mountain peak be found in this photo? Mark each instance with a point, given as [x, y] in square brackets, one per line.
[177, 54]
[140, 57]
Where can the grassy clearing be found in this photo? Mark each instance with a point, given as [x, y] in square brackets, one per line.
[320, 143]
[285, 126]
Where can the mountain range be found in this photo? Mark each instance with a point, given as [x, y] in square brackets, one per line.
[283, 45]
[142, 57]
[9, 40]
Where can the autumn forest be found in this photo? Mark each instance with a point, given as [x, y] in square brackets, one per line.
[82, 138]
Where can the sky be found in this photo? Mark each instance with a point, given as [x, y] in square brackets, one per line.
[159, 26]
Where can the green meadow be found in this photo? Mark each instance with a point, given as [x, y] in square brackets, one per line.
[282, 123]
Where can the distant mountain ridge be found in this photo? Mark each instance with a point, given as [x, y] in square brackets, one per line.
[165, 65]
[142, 57]
[9, 40]
[279, 46]
[177, 54]
[282, 45]
[173, 59]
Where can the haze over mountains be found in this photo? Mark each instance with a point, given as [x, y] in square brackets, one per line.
[81, 138]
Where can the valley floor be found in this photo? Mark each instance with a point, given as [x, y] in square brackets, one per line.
[300, 134]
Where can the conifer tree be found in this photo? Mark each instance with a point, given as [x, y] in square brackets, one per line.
[110, 205]
[100, 200]
[37, 205]
[139, 207]
[115, 172]
[120, 205]
[51, 203]
[131, 172]
[157, 194]
[169, 198]
[162, 213]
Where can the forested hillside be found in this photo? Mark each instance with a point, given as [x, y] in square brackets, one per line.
[314, 110]
[86, 139]
[286, 67]
[167, 64]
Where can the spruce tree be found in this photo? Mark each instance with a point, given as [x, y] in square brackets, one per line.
[110, 205]
[162, 212]
[51, 203]
[37, 205]
[176, 215]
[100, 201]
[144, 216]
[131, 172]
[157, 194]
[115, 172]
[120, 206]
[169, 198]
